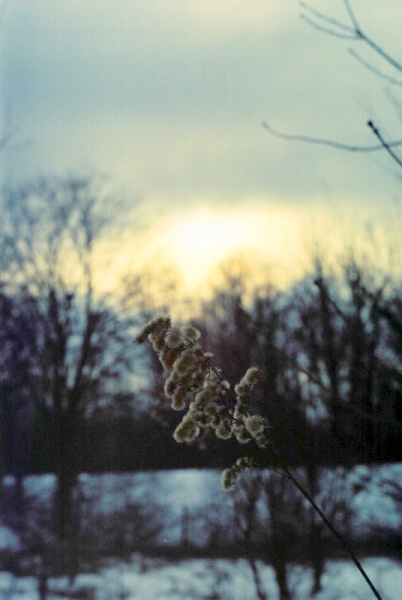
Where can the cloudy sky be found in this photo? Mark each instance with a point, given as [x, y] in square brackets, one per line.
[167, 97]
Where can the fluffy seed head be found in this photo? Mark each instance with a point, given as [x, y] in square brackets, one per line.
[228, 479]
[254, 424]
[190, 333]
[156, 325]
[174, 338]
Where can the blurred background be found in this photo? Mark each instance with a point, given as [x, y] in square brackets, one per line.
[211, 161]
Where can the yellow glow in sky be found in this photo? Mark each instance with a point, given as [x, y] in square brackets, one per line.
[199, 240]
[279, 243]
[275, 244]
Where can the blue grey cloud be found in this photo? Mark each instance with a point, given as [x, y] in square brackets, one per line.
[169, 97]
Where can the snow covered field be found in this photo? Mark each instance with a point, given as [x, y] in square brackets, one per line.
[152, 579]
[193, 488]
[179, 494]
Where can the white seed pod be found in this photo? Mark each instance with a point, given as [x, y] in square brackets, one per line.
[254, 424]
[243, 436]
[174, 338]
[178, 404]
[186, 362]
[224, 430]
[156, 325]
[190, 333]
[252, 375]
[228, 479]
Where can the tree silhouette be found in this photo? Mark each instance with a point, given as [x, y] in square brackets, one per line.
[71, 343]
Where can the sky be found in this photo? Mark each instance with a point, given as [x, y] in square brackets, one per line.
[168, 100]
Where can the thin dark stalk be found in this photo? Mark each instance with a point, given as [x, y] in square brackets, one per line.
[328, 523]
[289, 475]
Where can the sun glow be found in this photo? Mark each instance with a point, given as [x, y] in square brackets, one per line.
[272, 243]
[200, 240]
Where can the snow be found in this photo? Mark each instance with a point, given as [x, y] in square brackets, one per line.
[152, 579]
[191, 488]
[8, 540]
[199, 490]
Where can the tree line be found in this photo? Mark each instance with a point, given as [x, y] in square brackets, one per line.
[329, 349]
[331, 384]
[77, 395]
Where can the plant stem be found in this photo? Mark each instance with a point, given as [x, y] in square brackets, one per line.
[328, 523]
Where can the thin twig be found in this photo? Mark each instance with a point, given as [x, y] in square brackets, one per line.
[354, 33]
[327, 19]
[373, 69]
[327, 142]
[381, 52]
[384, 143]
[351, 15]
[326, 30]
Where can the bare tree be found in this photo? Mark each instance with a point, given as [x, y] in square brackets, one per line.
[343, 353]
[74, 338]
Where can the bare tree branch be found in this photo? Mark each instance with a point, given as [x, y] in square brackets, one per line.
[373, 69]
[351, 15]
[353, 33]
[330, 20]
[326, 30]
[381, 52]
[384, 143]
[328, 142]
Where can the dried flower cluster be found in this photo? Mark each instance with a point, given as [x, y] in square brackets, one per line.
[192, 382]
[230, 475]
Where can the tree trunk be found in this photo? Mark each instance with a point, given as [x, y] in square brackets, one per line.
[318, 569]
[66, 473]
[257, 580]
[281, 575]
[315, 534]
